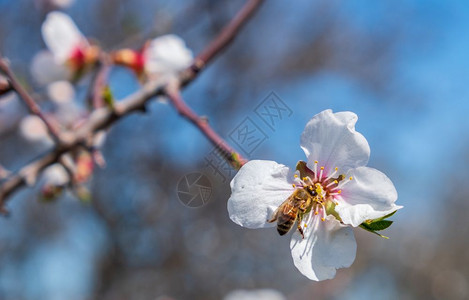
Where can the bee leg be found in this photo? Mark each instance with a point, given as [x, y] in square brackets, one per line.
[299, 226]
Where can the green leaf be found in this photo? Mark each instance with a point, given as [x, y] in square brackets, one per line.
[371, 221]
[386, 216]
[108, 97]
[365, 226]
[379, 225]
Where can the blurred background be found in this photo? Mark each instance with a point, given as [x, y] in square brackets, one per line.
[401, 65]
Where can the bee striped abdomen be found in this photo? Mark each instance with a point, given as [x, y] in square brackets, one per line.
[284, 227]
[286, 219]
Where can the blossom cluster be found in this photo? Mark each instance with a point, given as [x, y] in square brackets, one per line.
[69, 58]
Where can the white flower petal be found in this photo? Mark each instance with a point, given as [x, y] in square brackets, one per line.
[61, 92]
[45, 69]
[61, 35]
[332, 140]
[33, 129]
[55, 175]
[63, 3]
[327, 246]
[256, 192]
[260, 294]
[167, 54]
[10, 112]
[369, 195]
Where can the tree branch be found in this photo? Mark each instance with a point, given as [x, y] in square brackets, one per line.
[226, 36]
[30, 102]
[104, 117]
[99, 81]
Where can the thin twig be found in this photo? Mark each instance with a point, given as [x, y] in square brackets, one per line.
[224, 38]
[233, 157]
[29, 101]
[99, 82]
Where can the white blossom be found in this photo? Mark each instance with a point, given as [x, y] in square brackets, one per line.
[55, 175]
[62, 36]
[61, 92]
[343, 193]
[45, 69]
[258, 294]
[33, 129]
[62, 3]
[10, 111]
[166, 55]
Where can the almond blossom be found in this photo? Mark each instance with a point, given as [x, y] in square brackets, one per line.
[45, 69]
[66, 42]
[34, 131]
[53, 181]
[258, 294]
[341, 193]
[163, 56]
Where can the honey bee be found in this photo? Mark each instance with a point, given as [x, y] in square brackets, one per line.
[292, 210]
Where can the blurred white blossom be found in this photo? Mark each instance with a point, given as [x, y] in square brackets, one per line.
[260, 294]
[46, 4]
[55, 175]
[53, 181]
[33, 129]
[61, 92]
[62, 36]
[45, 69]
[167, 54]
[66, 42]
[62, 3]
[163, 56]
[10, 111]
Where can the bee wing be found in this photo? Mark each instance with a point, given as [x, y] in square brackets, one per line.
[279, 211]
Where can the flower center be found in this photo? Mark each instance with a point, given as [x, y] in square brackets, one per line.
[324, 187]
[81, 56]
